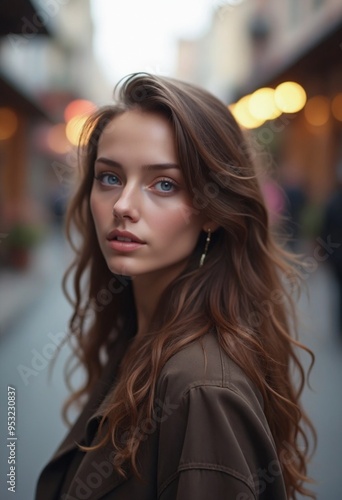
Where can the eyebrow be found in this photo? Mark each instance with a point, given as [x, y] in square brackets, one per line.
[155, 166]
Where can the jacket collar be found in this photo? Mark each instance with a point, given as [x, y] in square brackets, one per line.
[84, 426]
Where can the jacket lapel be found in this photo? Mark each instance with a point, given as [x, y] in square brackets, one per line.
[96, 475]
[83, 431]
[95, 402]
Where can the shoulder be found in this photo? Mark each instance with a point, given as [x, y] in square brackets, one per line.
[213, 432]
[204, 364]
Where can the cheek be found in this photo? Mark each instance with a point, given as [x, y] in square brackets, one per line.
[177, 225]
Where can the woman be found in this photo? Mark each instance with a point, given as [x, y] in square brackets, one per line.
[182, 326]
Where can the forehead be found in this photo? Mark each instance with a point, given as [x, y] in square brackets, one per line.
[138, 127]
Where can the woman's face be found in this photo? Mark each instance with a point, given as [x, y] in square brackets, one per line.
[142, 211]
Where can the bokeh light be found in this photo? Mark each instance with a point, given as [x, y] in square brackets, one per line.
[78, 107]
[243, 116]
[74, 129]
[231, 108]
[336, 107]
[57, 140]
[317, 110]
[8, 123]
[262, 104]
[290, 97]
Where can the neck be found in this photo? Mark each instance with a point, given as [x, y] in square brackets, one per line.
[147, 290]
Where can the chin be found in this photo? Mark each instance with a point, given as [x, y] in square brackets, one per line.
[121, 270]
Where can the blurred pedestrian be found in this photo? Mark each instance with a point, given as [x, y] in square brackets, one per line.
[183, 328]
[295, 201]
[332, 231]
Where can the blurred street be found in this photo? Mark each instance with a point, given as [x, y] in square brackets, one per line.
[319, 331]
[24, 365]
[277, 67]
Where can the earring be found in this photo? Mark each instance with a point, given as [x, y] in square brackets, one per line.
[204, 254]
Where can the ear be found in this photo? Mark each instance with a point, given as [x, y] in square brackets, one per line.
[209, 224]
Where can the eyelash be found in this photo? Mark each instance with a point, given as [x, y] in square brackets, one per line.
[99, 177]
[102, 175]
[170, 181]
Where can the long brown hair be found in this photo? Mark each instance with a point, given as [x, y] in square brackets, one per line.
[242, 292]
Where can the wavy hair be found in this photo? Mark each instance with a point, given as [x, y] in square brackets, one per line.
[243, 292]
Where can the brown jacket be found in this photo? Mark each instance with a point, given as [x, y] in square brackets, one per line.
[209, 439]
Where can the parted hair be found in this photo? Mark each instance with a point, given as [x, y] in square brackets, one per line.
[243, 292]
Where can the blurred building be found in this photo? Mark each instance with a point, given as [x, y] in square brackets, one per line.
[302, 42]
[221, 59]
[250, 52]
[46, 63]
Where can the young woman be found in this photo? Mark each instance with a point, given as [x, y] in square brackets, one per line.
[182, 300]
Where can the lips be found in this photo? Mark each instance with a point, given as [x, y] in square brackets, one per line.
[124, 236]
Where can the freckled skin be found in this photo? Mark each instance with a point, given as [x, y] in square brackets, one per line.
[145, 202]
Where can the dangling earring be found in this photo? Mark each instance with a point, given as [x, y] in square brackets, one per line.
[204, 254]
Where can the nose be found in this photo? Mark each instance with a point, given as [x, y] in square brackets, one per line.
[126, 206]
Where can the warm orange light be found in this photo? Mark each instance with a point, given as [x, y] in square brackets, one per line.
[243, 116]
[77, 108]
[317, 110]
[8, 123]
[57, 140]
[74, 129]
[336, 107]
[290, 97]
[262, 104]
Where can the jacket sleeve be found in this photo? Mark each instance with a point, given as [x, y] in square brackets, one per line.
[216, 444]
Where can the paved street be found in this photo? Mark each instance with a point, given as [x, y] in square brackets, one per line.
[324, 403]
[29, 341]
[26, 347]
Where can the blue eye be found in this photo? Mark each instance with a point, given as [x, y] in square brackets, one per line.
[108, 179]
[166, 186]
